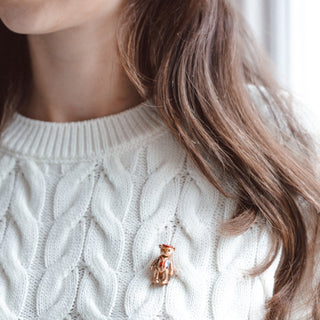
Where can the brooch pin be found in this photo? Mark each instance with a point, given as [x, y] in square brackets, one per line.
[163, 266]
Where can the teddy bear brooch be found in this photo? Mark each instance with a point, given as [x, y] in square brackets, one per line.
[162, 266]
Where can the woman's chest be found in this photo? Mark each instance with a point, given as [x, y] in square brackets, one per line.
[77, 241]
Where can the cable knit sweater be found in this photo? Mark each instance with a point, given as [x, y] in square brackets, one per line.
[84, 206]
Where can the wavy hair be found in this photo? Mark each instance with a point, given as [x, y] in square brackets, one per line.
[197, 61]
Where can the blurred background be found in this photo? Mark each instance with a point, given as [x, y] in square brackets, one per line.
[290, 31]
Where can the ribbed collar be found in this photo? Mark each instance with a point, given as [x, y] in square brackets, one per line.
[81, 139]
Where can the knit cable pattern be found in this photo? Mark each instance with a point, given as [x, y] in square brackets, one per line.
[57, 288]
[158, 204]
[21, 235]
[6, 187]
[263, 284]
[234, 257]
[194, 238]
[104, 245]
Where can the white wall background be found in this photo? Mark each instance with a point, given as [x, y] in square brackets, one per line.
[290, 31]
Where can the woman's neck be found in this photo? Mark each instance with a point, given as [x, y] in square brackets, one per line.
[77, 74]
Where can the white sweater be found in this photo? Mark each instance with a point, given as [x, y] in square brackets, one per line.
[84, 206]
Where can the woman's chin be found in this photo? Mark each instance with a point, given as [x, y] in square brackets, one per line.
[21, 26]
[24, 21]
[24, 27]
[47, 16]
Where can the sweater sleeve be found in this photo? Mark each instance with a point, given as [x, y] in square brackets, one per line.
[275, 120]
[277, 125]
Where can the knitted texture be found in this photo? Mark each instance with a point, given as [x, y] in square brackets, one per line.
[83, 208]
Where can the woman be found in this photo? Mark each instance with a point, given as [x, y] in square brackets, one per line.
[132, 125]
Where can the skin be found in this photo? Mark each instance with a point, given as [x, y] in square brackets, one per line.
[75, 66]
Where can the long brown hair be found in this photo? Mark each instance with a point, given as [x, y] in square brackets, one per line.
[199, 64]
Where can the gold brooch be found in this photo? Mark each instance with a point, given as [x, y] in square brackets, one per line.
[163, 266]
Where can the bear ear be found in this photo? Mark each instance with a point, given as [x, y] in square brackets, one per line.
[160, 246]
